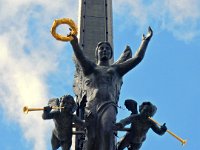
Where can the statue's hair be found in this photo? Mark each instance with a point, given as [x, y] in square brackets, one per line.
[69, 98]
[53, 102]
[151, 108]
[98, 45]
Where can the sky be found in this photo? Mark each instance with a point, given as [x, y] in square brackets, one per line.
[35, 67]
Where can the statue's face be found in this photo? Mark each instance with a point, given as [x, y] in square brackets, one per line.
[144, 111]
[147, 110]
[104, 52]
[68, 104]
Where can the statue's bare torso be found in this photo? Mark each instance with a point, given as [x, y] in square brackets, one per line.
[102, 84]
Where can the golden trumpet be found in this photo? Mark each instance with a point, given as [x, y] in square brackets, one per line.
[26, 109]
[171, 133]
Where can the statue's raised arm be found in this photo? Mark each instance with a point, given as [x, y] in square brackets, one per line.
[126, 66]
[86, 65]
[145, 40]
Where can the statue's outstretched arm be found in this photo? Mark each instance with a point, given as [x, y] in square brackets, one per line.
[159, 130]
[86, 65]
[126, 66]
[128, 120]
[143, 46]
[47, 114]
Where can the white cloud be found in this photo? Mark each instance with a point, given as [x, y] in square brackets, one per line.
[28, 54]
[180, 17]
[21, 86]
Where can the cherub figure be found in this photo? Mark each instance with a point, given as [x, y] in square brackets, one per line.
[63, 119]
[140, 124]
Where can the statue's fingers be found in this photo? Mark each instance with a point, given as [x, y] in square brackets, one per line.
[74, 36]
[128, 47]
[150, 31]
[69, 34]
[143, 36]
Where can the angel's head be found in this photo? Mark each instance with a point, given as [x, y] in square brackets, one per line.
[103, 51]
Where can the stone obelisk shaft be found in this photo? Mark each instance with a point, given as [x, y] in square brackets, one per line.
[95, 24]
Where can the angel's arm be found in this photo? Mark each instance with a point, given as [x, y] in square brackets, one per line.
[126, 66]
[86, 65]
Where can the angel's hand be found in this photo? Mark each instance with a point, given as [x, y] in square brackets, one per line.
[75, 39]
[149, 34]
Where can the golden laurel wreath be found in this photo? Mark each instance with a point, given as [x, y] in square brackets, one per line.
[58, 22]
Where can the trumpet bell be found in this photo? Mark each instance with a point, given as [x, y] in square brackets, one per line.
[25, 110]
[184, 142]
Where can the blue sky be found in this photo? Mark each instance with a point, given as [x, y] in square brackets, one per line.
[35, 67]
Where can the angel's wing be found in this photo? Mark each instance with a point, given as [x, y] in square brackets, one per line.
[53, 102]
[127, 53]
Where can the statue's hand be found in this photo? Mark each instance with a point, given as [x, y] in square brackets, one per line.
[149, 34]
[75, 39]
[163, 127]
[48, 108]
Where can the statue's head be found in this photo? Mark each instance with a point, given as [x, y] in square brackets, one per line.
[131, 105]
[103, 51]
[67, 101]
[147, 109]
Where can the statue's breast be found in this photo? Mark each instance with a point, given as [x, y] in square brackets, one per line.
[102, 83]
[105, 75]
